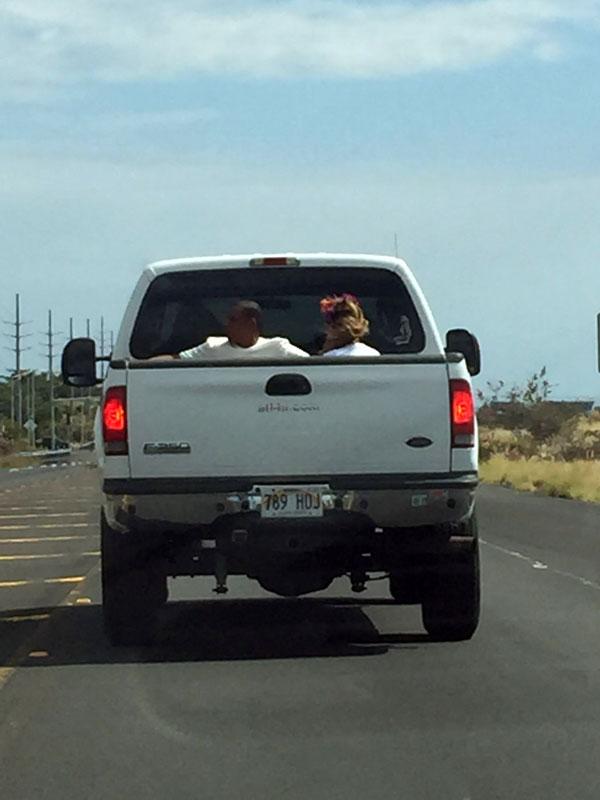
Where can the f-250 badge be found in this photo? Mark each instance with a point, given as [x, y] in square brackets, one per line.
[166, 448]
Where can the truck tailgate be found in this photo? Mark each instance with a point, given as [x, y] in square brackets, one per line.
[215, 421]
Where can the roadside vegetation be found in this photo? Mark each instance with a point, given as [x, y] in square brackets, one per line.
[10, 446]
[73, 411]
[16, 462]
[532, 443]
[577, 480]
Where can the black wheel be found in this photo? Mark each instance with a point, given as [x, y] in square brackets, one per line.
[133, 587]
[451, 606]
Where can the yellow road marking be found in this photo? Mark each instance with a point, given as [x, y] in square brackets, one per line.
[5, 673]
[74, 595]
[35, 539]
[37, 556]
[44, 516]
[19, 657]
[26, 618]
[38, 654]
[15, 584]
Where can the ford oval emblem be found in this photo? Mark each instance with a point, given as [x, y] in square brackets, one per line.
[419, 441]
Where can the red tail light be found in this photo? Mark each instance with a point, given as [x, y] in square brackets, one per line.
[462, 410]
[274, 261]
[114, 421]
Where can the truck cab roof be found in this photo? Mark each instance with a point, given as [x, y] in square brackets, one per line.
[294, 259]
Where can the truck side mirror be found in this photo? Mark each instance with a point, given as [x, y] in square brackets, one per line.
[459, 340]
[78, 365]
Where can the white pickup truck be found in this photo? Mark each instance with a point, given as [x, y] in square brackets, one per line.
[294, 470]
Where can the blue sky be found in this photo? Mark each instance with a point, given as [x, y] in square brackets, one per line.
[470, 129]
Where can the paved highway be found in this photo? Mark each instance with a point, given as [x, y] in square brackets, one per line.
[337, 696]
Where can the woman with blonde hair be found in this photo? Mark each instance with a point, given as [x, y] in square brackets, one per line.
[345, 327]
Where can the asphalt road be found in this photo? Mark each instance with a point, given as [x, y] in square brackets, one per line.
[337, 696]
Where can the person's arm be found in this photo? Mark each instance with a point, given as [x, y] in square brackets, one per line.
[291, 351]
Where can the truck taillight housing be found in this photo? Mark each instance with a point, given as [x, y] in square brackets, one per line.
[114, 421]
[462, 413]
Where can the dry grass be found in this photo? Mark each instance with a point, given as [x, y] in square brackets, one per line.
[17, 462]
[577, 480]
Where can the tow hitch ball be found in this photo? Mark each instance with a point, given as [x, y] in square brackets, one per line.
[220, 574]
[358, 579]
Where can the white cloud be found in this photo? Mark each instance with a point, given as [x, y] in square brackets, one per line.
[50, 43]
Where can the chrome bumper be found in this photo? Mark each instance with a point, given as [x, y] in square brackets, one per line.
[408, 507]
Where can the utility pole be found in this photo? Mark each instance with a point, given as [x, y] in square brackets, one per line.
[32, 416]
[396, 245]
[30, 424]
[102, 345]
[85, 399]
[71, 405]
[18, 350]
[50, 334]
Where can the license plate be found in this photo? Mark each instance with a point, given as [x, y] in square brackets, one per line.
[280, 502]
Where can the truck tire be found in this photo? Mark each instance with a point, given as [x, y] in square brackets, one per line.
[133, 587]
[451, 605]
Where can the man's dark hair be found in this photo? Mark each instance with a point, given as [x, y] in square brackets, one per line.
[251, 309]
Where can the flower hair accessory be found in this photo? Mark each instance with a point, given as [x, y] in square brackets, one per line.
[336, 304]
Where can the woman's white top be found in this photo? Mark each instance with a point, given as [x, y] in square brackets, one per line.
[354, 349]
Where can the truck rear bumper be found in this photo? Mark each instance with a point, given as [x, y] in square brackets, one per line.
[388, 501]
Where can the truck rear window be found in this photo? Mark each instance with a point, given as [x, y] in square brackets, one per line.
[181, 309]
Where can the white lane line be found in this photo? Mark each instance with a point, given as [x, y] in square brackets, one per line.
[535, 564]
[24, 499]
[37, 539]
[40, 556]
[45, 516]
[55, 493]
[49, 499]
[41, 508]
[50, 525]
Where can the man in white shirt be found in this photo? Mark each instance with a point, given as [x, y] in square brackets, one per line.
[243, 339]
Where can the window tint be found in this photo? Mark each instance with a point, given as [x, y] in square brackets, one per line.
[181, 309]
